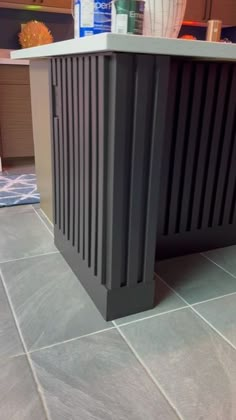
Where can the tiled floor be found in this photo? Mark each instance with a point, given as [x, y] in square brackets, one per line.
[60, 360]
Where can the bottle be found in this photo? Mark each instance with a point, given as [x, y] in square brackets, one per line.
[92, 17]
[214, 30]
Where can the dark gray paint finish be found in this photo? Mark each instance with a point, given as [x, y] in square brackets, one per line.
[117, 131]
[137, 172]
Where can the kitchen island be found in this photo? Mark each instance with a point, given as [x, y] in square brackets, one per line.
[144, 156]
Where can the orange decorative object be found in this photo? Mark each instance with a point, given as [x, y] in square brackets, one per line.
[33, 34]
[189, 37]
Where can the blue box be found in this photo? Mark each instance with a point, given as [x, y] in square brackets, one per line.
[92, 17]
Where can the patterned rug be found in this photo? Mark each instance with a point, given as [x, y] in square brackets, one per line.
[18, 189]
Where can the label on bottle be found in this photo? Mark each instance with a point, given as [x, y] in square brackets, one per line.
[122, 24]
[92, 17]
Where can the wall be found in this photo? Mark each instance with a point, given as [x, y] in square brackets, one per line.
[61, 25]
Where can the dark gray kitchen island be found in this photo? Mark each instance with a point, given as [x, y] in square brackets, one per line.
[144, 158]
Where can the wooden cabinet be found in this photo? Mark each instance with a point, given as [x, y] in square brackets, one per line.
[204, 10]
[224, 10]
[15, 112]
[196, 10]
[63, 4]
[56, 6]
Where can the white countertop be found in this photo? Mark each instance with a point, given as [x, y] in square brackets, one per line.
[131, 44]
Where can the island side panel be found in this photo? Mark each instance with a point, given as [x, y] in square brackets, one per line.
[122, 140]
[198, 192]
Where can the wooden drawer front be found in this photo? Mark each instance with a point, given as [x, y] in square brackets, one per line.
[16, 121]
[11, 74]
[61, 4]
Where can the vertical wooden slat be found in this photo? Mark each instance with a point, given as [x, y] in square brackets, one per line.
[179, 148]
[55, 148]
[215, 144]
[81, 148]
[229, 186]
[61, 148]
[195, 125]
[173, 99]
[103, 71]
[207, 112]
[232, 219]
[143, 98]
[94, 166]
[156, 163]
[119, 142]
[87, 158]
[56, 170]
[71, 152]
[76, 120]
[226, 153]
[66, 147]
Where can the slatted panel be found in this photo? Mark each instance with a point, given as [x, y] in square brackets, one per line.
[109, 130]
[104, 138]
[199, 179]
[79, 170]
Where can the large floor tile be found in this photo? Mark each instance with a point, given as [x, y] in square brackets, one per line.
[195, 278]
[10, 343]
[44, 217]
[49, 302]
[25, 208]
[23, 235]
[221, 313]
[195, 367]
[99, 378]
[165, 300]
[225, 257]
[19, 399]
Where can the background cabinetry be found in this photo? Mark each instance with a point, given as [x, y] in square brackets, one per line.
[15, 112]
[196, 10]
[224, 10]
[63, 6]
[204, 10]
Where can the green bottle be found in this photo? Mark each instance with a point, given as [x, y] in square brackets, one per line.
[129, 16]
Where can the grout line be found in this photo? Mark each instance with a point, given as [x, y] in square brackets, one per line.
[43, 222]
[39, 210]
[71, 340]
[29, 257]
[215, 298]
[150, 317]
[196, 303]
[149, 373]
[199, 315]
[37, 383]
[219, 266]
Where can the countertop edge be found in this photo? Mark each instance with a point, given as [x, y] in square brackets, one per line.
[131, 44]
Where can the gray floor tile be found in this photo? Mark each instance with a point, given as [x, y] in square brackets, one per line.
[195, 278]
[195, 367]
[23, 235]
[225, 257]
[10, 343]
[166, 300]
[99, 378]
[42, 216]
[49, 302]
[221, 313]
[19, 399]
[15, 210]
